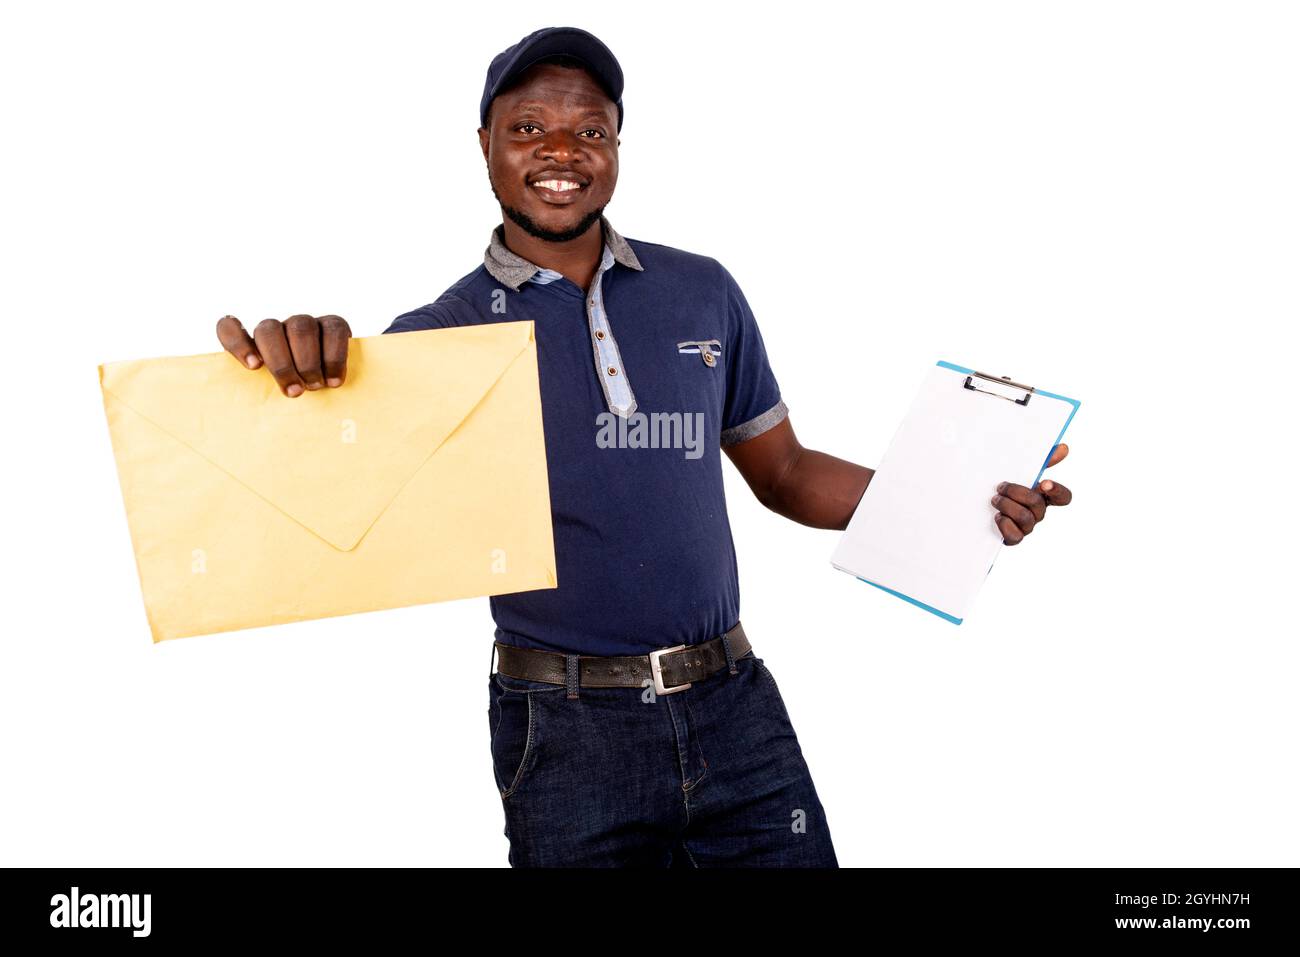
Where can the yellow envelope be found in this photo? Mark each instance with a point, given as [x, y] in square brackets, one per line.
[421, 479]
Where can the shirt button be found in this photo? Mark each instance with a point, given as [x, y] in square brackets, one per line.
[612, 371]
[708, 359]
[600, 333]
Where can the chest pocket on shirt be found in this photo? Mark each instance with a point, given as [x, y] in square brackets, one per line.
[709, 350]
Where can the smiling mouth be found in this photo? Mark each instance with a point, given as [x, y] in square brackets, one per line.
[557, 190]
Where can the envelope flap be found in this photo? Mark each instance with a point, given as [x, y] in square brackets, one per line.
[331, 459]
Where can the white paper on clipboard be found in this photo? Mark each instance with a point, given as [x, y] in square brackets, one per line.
[924, 528]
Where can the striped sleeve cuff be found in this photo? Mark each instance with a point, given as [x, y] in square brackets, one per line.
[755, 426]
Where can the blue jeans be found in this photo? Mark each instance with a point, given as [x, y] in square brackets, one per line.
[711, 776]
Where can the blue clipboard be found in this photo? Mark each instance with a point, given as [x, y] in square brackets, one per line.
[1002, 382]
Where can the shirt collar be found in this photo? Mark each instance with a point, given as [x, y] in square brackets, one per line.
[514, 270]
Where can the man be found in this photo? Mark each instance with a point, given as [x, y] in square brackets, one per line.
[630, 722]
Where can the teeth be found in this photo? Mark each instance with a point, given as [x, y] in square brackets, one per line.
[559, 185]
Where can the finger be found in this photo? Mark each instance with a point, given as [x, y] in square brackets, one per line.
[1027, 497]
[236, 341]
[1011, 534]
[1058, 453]
[1055, 492]
[1013, 510]
[304, 343]
[334, 336]
[274, 347]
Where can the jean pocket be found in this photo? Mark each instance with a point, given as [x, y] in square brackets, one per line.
[761, 666]
[514, 728]
[770, 682]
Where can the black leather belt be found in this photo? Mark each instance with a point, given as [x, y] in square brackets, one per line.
[670, 669]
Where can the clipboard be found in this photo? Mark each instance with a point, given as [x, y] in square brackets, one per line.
[924, 529]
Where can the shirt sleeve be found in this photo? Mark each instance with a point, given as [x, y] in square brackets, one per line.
[753, 404]
[436, 315]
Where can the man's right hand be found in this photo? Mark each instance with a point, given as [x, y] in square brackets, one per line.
[303, 352]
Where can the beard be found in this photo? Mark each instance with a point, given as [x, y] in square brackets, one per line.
[533, 228]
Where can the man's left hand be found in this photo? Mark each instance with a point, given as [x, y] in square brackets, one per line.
[1019, 509]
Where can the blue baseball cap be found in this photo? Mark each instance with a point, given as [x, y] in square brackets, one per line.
[549, 41]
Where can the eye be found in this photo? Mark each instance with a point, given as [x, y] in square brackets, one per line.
[597, 132]
[526, 126]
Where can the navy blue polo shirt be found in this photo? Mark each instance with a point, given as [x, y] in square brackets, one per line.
[643, 376]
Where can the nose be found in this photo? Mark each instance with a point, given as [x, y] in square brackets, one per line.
[560, 146]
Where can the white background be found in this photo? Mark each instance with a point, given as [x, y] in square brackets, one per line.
[1098, 198]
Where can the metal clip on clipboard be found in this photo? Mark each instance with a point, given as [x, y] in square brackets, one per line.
[1002, 381]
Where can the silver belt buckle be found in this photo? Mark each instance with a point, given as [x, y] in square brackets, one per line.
[657, 670]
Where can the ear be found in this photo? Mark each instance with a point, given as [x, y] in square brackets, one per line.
[483, 139]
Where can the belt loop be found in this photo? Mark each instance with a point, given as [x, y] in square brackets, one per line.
[731, 659]
[571, 675]
[492, 660]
